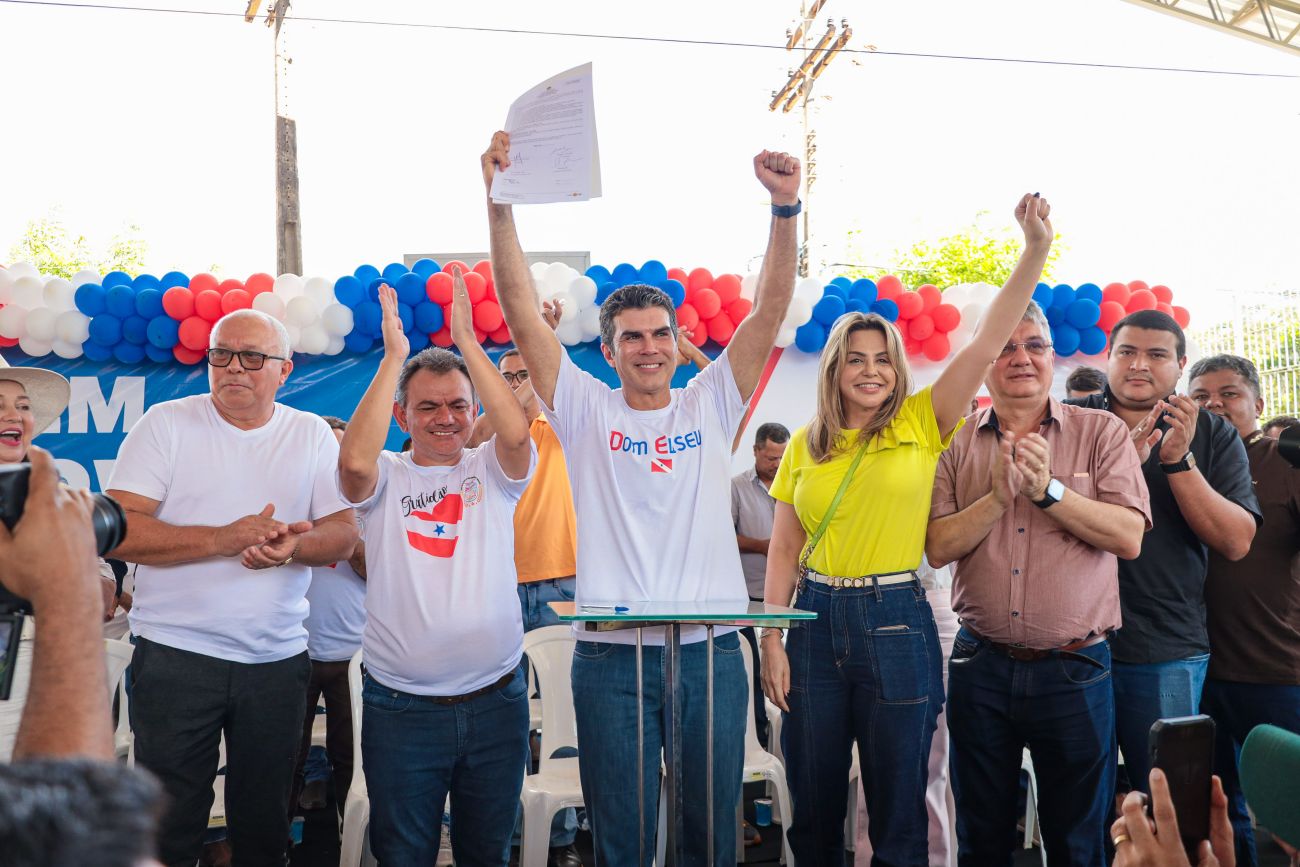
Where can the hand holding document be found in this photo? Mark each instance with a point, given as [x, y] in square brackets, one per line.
[554, 156]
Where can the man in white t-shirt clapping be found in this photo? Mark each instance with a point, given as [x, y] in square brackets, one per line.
[231, 498]
[650, 471]
[444, 704]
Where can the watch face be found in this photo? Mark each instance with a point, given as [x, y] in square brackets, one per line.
[1056, 489]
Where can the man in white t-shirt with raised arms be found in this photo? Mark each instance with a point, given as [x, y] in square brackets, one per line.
[444, 703]
[230, 498]
[650, 471]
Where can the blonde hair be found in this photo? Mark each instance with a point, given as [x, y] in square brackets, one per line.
[824, 437]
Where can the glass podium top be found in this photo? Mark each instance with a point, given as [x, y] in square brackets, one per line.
[741, 612]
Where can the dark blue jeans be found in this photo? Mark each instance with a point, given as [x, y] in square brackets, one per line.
[868, 669]
[604, 696]
[1145, 693]
[1063, 709]
[1237, 708]
[416, 752]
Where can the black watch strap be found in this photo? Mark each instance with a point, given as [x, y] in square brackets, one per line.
[787, 210]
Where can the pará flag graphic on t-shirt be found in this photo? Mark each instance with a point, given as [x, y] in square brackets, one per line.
[443, 525]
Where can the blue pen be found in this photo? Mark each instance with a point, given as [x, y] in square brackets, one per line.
[617, 609]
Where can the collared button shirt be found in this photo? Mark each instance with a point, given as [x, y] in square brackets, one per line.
[1162, 592]
[752, 512]
[1030, 581]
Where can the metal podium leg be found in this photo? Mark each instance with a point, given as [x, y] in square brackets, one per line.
[640, 757]
[708, 740]
[673, 744]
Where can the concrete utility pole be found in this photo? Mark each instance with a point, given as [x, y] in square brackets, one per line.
[288, 229]
[798, 89]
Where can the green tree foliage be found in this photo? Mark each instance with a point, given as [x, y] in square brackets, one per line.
[48, 245]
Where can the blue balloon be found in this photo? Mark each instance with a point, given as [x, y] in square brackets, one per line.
[836, 289]
[129, 353]
[856, 305]
[372, 292]
[116, 278]
[1066, 339]
[358, 342]
[407, 315]
[844, 282]
[105, 330]
[1043, 295]
[654, 272]
[366, 273]
[145, 281]
[863, 290]
[393, 272]
[886, 308]
[1055, 316]
[418, 340]
[609, 287]
[148, 303]
[163, 332]
[1089, 292]
[626, 273]
[173, 278]
[1062, 296]
[120, 301]
[676, 291]
[1082, 313]
[810, 337]
[426, 268]
[428, 317]
[827, 310]
[90, 299]
[97, 351]
[410, 288]
[349, 291]
[369, 318]
[1092, 341]
[600, 275]
[135, 330]
[158, 354]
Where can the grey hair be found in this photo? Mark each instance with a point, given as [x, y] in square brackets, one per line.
[435, 359]
[281, 333]
[1034, 314]
[1243, 367]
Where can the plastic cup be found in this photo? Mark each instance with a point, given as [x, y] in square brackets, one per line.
[762, 812]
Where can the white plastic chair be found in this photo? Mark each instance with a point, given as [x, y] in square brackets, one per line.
[763, 765]
[1031, 807]
[556, 785]
[117, 655]
[355, 849]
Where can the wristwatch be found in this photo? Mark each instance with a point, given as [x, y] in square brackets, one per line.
[787, 210]
[1055, 491]
[1182, 466]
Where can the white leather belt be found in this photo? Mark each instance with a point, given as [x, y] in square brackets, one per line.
[839, 582]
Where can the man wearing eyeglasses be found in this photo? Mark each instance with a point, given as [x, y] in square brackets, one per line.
[231, 498]
[1034, 502]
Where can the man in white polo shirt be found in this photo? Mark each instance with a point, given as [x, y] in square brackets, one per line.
[444, 704]
[220, 598]
[650, 471]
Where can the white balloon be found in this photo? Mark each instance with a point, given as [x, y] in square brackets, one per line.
[13, 321]
[6, 286]
[810, 289]
[589, 319]
[337, 320]
[749, 285]
[33, 347]
[583, 290]
[81, 278]
[785, 337]
[982, 292]
[799, 312]
[59, 294]
[314, 340]
[570, 310]
[570, 333]
[319, 290]
[538, 270]
[40, 324]
[72, 326]
[288, 286]
[295, 333]
[64, 349]
[29, 291]
[558, 276]
[23, 269]
[335, 345]
[301, 311]
[270, 304]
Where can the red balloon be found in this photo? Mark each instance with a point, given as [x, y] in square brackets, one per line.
[721, 328]
[483, 268]
[910, 305]
[187, 356]
[208, 304]
[1163, 293]
[438, 288]
[739, 309]
[475, 287]
[707, 302]
[728, 288]
[699, 336]
[479, 335]
[1182, 317]
[688, 317]
[258, 283]
[911, 347]
[946, 317]
[1138, 286]
[446, 269]
[1142, 299]
[931, 295]
[229, 286]
[889, 287]
[441, 337]
[501, 335]
[492, 291]
[921, 327]
[7, 342]
[235, 299]
[1165, 308]
[936, 347]
[1117, 292]
[487, 316]
[1111, 312]
[194, 333]
[202, 282]
[700, 278]
[680, 275]
[178, 303]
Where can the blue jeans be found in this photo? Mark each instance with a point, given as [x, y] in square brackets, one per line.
[1063, 709]
[868, 669]
[416, 752]
[1237, 708]
[604, 697]
[533, 597]
[1146, 693]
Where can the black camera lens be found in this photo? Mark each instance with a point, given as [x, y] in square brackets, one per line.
[110, 523]
[108, 518]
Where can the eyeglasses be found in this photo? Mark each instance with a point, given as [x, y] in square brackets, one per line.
[1033, 347]
[516, 378]
[248, 359]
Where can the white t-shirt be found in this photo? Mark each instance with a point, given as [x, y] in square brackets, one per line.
[338, 612]
[442, 612]
[205, 471]
[652, 491]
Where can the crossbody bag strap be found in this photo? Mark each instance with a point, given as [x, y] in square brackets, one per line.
[830, 512]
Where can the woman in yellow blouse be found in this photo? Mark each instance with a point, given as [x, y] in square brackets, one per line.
[853, 499]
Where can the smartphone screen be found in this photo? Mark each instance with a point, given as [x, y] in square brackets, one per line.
[11, 630]
[1183, 748]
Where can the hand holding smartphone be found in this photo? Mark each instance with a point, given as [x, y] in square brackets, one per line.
[1183, 748]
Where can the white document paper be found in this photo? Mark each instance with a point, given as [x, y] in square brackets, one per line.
[554, 156]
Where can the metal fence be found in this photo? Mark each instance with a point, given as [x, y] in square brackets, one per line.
[1264, 327]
